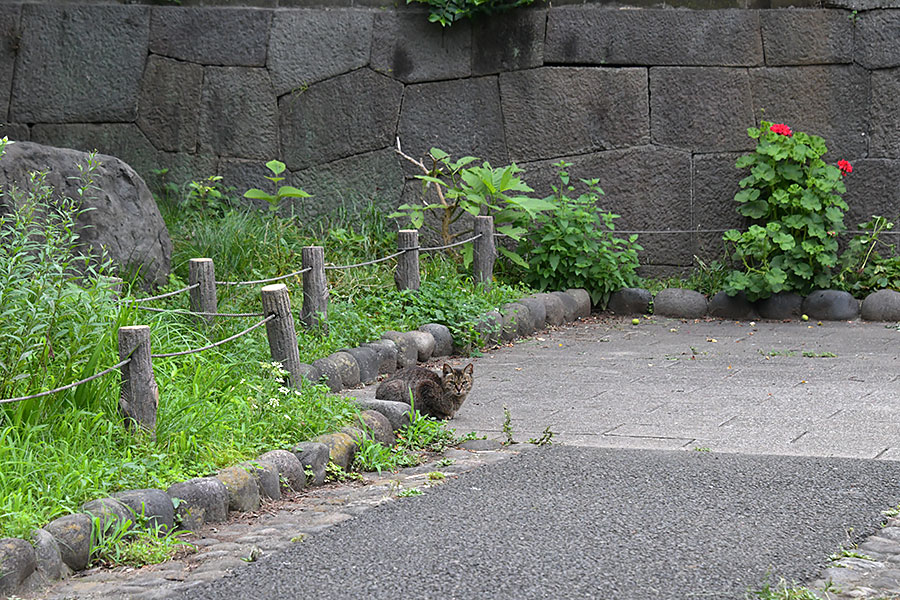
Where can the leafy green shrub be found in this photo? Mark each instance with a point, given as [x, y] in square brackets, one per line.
[477, 190]
[863, 268]
[793, 201]
[447, 12]
[55, 306]
[574, 246]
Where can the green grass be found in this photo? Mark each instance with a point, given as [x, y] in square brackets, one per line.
[216, 408]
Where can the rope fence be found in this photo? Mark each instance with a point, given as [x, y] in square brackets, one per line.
[215, 344]
[269, 280]
[139, 394]
[179, 311]
[69, 386]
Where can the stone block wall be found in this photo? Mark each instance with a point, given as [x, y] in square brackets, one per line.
[655, 102]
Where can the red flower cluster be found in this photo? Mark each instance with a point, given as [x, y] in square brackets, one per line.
[782, 129]
[845, 167]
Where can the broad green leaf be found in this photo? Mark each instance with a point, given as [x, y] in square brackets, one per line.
[276, 166]
[513, 257]
[287, 191]
[257, 194]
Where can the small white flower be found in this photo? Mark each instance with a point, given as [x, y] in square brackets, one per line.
[274, 402]
[284, 390]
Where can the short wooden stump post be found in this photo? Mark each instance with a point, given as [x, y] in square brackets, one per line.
[280, 330]
[484, 253]
[202, 273]
[407, 275]
[139, 397]
[315, 288]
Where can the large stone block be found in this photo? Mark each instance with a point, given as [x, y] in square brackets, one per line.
[180, 168]
[408, 47]
[703, 109]
[151, 504]
[872, 189]
[374, 179]
[15, 131]
[169, 104]
[91, 56]
[508, 42]
[648, 186]
[123, 217]
[462, 117]
[806, 37]
[715, 183]
[73, 534]
[830, 101]
[309, 45]
[10, 36]
[210, 35]
[884, 115]
[611, 36]
[125, 141]
[341, 117]
[554, 111]
[239, 113]
[875, 43]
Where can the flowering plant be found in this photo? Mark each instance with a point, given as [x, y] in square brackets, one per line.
[792, 199]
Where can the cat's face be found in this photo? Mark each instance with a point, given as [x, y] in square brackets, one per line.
[457, 382]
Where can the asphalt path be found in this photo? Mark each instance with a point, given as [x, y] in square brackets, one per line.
[584, 522]
[699, 459]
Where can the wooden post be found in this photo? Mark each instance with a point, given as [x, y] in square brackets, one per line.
[315, 288]
[115, 286]
[203, 297]
[280, 330]
[407, 275]
[139, 397]
[484, 253]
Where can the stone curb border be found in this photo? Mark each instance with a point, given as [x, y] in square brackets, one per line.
[824, 305]
[62, 547]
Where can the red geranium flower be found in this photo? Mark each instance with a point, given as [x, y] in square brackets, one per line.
[781, 129]
[845, 167]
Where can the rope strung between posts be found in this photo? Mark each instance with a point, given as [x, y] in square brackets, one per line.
[270, 280]
[471, 239]
[71, 385]
[219, 343]
[371, 262]
[199, 314]
[161, 296]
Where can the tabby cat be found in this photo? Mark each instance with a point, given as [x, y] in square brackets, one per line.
[439, 396]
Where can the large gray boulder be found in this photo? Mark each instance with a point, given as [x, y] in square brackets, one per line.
[17, 563]
[117, 213]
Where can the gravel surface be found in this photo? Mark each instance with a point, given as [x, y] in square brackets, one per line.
[573, 522]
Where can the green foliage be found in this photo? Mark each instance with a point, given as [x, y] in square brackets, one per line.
[447, 12]
[706, 278]
[792, 199]
[285, 191]
[477, 190]
[863, 268]
[574, 246]
[133, 543]
[54, 298]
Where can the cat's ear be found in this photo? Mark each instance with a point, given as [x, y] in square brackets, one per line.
[468, 369]
[447, 369]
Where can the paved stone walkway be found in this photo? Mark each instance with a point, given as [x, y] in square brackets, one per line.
[759, 388]
[223, 547]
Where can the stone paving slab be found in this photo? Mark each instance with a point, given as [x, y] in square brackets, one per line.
[669, 383]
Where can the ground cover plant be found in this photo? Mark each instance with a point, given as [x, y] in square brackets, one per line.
[573, 245]
[217, 407]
